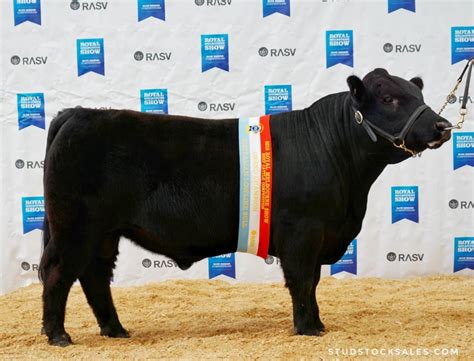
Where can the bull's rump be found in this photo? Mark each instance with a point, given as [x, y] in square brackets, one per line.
[174, 177]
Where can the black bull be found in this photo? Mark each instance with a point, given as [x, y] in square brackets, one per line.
[171, 185]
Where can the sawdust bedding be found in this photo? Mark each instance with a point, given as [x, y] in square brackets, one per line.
[408, 319]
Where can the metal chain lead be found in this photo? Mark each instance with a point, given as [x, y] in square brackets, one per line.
[451, 95]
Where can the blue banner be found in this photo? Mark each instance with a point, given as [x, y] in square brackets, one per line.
[463, 253]
[348, 262]
[463, 149]
[27, 10]
[215, 52]
[33, 213]
[277, 99]
[394, 5]
[339, 48]
[151, 8]
[462, 43]
[222, 265]
[30, 110]
[276, 6]
[405, 203]
[154, 101]
[90, 56]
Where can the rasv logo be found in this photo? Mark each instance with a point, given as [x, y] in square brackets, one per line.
[405, 257]
[152, 56]
[286, 52]
[453, 99]
[88, 5]
[25, 266]
[28, 60]
[402, 48]
[213, 2]
[159, 263]
[29, 164]
[216, 107]
[455, 204]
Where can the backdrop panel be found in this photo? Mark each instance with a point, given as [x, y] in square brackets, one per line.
[154, 56]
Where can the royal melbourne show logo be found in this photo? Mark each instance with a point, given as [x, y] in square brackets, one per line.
[215, 52]
[462, 43]
[405, 203]
[33, 213]
[348, 262]
[90, 56]
[463, 149]
[276, 6]
[31, 110]
[27, 10]
[339, 48]
[394, 5]
[277, 99]
[151, 8]
[222, 265]
[463, 253]
[154, 101]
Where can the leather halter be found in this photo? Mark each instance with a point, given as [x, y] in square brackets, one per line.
[398, 140]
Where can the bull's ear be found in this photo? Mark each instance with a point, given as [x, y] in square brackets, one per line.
[357, 89]
[418, 82]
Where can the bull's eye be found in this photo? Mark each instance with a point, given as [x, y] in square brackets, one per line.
[387, 99]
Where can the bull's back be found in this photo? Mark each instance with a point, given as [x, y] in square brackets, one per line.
[176, 177]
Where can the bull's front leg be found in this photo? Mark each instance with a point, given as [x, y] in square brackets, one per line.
[302, 271]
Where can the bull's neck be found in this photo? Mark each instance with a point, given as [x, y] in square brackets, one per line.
[327, 133]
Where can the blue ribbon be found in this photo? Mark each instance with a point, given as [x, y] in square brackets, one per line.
[463, 253]
[463, 149]
[339, 48]
[276, 6]
[222, 265]
[348, 262]
[90, 56]
[462, 43]
[151, 8]
[31, 110]
[33, 213]
[394, 5]
[27, 12]
[154, 101]
[277, 99]
[405, 203]
[215, 52]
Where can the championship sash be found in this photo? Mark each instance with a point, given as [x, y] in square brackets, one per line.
[255, 155]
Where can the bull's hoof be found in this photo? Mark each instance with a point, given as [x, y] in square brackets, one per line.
[308, 331]
[320, 326]
[115, 332]
[61, 340]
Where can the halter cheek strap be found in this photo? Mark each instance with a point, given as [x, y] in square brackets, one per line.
[398, 140]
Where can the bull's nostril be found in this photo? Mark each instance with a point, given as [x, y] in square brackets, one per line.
[442, 125]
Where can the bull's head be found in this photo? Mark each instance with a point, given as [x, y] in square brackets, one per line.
[393, 108]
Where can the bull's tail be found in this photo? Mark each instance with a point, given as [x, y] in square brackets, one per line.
[54, 128]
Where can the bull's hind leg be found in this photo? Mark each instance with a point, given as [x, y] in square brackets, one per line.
[313, 302]
[61, 264]
[95, 282]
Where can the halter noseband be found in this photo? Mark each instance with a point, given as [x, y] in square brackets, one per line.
[397, 140]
